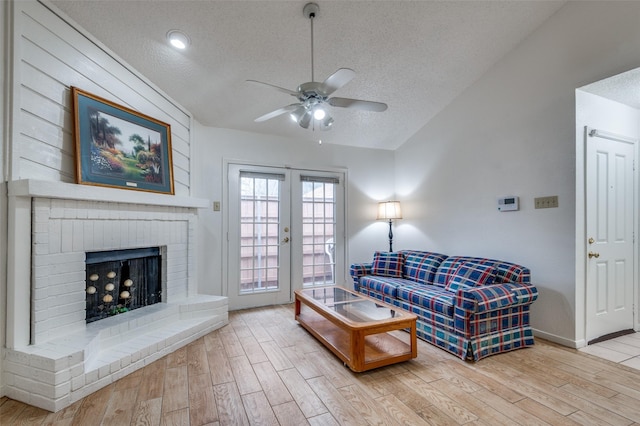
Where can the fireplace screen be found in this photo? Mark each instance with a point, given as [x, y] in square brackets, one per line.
[122, 280]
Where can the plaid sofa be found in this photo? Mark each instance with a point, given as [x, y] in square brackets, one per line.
[469, 306]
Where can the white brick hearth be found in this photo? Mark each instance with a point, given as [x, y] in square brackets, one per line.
[52, 357]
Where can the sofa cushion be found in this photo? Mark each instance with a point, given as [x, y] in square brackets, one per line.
[469, 275]
[421, 266]
[383, 285]
[387, 264]
[430, 297]
[505, 272]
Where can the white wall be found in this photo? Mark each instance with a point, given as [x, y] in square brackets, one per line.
[369, 177]
[3, 276]
[3, 187]
[513, 133]
[602, 114]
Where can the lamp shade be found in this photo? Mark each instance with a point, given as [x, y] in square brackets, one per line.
[389, 210]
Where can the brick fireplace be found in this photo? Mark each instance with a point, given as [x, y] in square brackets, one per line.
[53, 357]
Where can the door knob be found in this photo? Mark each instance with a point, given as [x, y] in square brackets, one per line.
[592, 254]
[591, 241]
[286, 240]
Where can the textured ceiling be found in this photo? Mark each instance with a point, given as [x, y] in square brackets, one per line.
[621, 88]
[416, 56]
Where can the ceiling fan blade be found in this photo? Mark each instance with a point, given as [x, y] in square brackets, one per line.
[281, 89]
[337, 80]
[357, 104]
[279, 111]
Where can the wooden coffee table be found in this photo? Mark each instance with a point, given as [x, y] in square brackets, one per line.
[355, 327]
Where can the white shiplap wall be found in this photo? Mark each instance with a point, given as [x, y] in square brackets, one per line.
[51, 55]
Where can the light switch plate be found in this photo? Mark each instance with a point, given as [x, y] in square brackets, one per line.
[546, 202]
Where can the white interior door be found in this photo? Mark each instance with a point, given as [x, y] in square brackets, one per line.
[610, 207]
[259, 236]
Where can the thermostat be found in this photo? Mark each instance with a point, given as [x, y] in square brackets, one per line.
[508, 204]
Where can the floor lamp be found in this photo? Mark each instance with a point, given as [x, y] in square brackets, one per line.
[389, 210]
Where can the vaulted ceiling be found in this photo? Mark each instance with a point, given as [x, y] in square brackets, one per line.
[415, 56]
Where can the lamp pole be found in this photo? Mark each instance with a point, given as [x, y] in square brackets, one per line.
[390, 238]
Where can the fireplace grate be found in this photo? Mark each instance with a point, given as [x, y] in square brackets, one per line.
[122, 280]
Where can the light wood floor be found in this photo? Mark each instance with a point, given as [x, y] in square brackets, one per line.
[263, 368]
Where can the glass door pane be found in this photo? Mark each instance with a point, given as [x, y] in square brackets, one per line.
[319, 225]
[259, 232]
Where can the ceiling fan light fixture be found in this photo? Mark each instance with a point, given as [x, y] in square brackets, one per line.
[178, 39]
[319, 113]
[305, 119]
[326, 123]
[297, 113]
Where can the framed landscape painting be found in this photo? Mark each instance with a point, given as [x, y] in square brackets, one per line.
[119, 147]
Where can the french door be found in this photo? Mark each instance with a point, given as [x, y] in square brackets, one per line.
[286, 231]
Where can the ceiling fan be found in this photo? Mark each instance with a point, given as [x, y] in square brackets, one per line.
[313, 96]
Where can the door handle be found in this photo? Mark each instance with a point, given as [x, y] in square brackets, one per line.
[592, 254]
[285, 240]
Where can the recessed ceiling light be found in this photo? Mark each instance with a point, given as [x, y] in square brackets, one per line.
[178, 39]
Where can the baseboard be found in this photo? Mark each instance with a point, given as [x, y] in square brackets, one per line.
[575, 344]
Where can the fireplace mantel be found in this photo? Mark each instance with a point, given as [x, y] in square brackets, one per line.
[70, 191]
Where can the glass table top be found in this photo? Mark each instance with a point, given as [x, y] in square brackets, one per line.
[351, 305]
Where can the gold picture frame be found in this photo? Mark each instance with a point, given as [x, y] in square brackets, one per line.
[118, 147]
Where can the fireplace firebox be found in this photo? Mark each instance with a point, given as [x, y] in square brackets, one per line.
[122, 280]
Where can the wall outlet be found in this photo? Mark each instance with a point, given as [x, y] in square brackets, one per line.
[546, 202]
[216, 206]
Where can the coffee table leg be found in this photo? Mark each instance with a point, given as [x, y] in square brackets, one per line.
[357, 350]
[414, 341]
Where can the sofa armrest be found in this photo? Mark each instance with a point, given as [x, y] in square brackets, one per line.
[496, 296]
[492, 308]
[358, 270]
